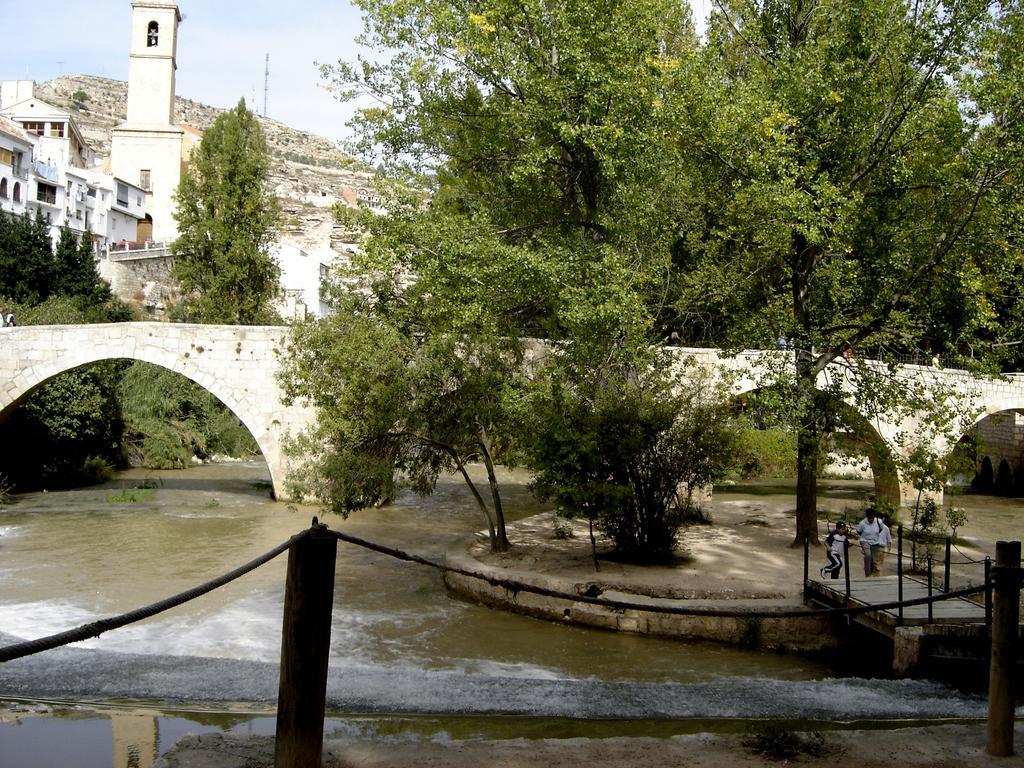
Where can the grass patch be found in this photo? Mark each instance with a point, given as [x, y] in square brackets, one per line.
[131, 495]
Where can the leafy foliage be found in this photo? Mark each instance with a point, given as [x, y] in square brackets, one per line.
[226, 217]
[169, 419]
[395, 402]
[628, 453]
[852, 164]
[27, 266]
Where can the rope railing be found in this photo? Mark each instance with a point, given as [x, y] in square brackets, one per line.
[96, 628]
[515, 585]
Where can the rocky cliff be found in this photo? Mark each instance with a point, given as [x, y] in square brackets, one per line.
[310, 174]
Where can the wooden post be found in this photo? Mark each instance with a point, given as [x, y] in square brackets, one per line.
[846, 567]
[930, 603]
[807, 557]
[945, 575]
[988, 591]
[899, 573]
[305, 646]
[1003, 668]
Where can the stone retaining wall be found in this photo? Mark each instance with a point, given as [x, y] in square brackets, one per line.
[811, 634]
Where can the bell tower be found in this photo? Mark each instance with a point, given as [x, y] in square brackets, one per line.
[153, 62]
[146, 149]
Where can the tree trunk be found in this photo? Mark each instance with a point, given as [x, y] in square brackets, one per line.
[807, 410]
[808, 444]
[481, 504]
[500, 542]
[807, 441]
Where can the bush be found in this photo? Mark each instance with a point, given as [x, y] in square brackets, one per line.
[767, 453]
[169, 419]
[625, 456]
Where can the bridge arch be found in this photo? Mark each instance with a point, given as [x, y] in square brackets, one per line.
[859, 434]
[998, 435]
[236, 364]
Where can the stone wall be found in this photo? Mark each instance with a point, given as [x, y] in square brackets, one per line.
[144, 282]
[810, 634]
[1001, 436]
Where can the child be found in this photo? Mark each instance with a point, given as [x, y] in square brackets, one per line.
[835, 546]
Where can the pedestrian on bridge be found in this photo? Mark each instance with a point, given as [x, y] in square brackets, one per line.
[872, 534]
[835, 550]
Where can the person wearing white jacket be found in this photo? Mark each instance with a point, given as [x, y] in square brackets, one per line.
[874, 537]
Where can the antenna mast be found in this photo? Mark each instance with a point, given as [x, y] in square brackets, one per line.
[266, 85]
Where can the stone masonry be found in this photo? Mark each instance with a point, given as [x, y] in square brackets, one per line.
[237, 364]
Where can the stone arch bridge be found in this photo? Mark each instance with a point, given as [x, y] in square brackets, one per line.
[239, 364]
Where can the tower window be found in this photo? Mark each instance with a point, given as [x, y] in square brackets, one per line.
[146, 179]
[152, 35]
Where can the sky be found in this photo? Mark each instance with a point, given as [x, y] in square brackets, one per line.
[222, 45]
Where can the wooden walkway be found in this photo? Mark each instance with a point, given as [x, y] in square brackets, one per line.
[885, 589]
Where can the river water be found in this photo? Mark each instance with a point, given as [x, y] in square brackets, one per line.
[400, 644]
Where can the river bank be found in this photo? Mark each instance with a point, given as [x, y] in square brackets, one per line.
[400, 643]
[945, 746]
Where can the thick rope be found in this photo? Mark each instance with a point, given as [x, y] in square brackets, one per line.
[96, 628]
[513, 585]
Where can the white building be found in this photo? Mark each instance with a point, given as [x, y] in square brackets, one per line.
[43, 169]
[16, 150]
[147, 148]
[60, 141]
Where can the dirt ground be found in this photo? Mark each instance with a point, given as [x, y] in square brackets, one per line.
[947, 746]
[745, 556]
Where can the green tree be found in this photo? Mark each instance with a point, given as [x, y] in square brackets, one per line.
[848, 163]
[27, 268]
[627, 452]
[227, 218]
[398, 400]
[75, 269]
[169, 420]
[533, 128]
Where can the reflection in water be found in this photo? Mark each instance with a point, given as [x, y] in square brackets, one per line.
[136, 737]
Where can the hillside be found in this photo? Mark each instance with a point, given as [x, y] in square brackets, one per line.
[309, 172]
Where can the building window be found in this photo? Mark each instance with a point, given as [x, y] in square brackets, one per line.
[146, 179]
[17, 192]
[3, 188]
[57, 130]
[46, 193]
[138, 200]
[152, 35]
[122, 196]
[34, 126]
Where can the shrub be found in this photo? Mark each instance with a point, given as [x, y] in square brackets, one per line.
[765, 453]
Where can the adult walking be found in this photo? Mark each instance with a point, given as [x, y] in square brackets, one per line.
[872, 538]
